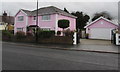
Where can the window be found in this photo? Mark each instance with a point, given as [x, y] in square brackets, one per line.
[34, 18]
[46, 17]
[101, 22]
[19, 29]
[20, 18]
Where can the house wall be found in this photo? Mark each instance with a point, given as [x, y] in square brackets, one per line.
[105, 24]
[97, 24]
[52, 23]
[72, 22]
[42, 23]
[101, 29]
[20, 24]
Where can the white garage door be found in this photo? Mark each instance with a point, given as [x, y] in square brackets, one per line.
[100, 33]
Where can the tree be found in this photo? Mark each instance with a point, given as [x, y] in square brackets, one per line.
[81, 19]
[63, 23]
[103, 14]
[66, 10]
[6, 21]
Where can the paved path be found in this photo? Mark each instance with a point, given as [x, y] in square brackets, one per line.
[33, 58]
[95, 42]
[85, 45]
[97, 45]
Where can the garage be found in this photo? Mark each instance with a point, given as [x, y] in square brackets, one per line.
[100, 33]
[100, 29]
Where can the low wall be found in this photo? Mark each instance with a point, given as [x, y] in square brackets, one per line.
[51, 40]
[57, 40]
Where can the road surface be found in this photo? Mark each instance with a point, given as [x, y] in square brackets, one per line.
[16, 57]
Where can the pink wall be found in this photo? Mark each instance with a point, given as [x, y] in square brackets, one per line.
[72, 21]
[48, 24]
[43, 24]
[105, 24]
[97, 24]
[20, 24]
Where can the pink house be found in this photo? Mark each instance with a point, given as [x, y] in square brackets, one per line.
[100, 29]
[47, 19]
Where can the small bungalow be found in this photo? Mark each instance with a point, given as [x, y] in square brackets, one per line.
[100, 29]
[47, 19]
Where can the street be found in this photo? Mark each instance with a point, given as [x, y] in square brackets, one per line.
[16, 57]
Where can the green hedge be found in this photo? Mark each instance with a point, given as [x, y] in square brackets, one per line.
[7, 35]
[45, 34]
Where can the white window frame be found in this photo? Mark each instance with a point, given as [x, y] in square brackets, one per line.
[19, 20]
[101, 22]
[49, 19]
[19, 30]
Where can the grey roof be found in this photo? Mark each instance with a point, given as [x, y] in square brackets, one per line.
[48, 10]
[29, 13]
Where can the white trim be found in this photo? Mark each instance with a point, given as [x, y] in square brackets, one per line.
[45, 27]
[56, 23]
[23, 12]
[46, 20]
[99, 19]
[26, 20]
[75, 38]
[19, 11]
[117, 39]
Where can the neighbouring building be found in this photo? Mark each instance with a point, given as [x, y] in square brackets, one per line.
[47, 19]
[6, 22]
[100, 29]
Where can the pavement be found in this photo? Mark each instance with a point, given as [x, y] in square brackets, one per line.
[101, 46]
[97, 46]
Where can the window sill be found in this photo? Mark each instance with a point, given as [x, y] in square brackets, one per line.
[46, 20]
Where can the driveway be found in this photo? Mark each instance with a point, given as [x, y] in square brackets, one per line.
[95, 42]
[96, 45]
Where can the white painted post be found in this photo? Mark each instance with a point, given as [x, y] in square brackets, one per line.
[117, 39]
[75, 38]
[56, 24]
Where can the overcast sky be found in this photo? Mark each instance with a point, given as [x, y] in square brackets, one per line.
[89, 8]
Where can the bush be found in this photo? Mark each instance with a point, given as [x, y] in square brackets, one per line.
[20, 35]
[68, 32]
[45, 34]
[63, 23]
[7, 34]
[87, 35]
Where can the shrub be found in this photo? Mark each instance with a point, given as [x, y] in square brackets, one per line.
[63, 23]
[45, 34]
[7, 34]
[87, 35]
[20, 35]
[68, 32]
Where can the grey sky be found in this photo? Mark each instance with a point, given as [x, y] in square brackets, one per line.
[87, 7]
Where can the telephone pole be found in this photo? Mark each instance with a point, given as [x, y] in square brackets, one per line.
[37, 23]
